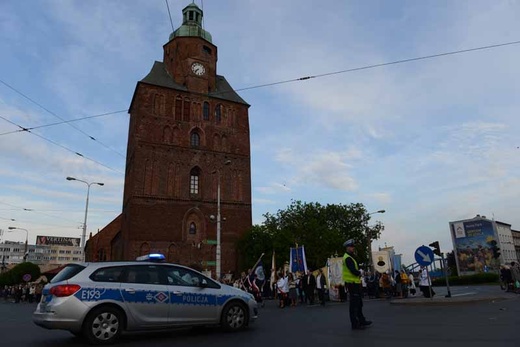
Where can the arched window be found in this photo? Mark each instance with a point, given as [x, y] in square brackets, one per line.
[205, 111]
[187, 108]
[178, 108]
[194, 180]
[193, 229]
[218, 113]
[194, 139]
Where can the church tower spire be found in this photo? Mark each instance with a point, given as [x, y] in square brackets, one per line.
[191, 24]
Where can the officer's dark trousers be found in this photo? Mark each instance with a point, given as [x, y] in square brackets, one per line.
[356, 304]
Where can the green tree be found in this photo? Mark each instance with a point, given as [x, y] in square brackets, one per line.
[322, 229]
[15, 275]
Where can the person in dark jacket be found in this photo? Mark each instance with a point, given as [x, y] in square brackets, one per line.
[309, 285]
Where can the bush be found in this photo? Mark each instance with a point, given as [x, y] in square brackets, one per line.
[471, 279]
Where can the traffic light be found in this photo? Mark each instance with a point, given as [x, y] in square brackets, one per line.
[496, 252]
[495, 249]
[436, 248]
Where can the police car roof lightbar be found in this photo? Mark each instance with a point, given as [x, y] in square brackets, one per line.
[153, 257]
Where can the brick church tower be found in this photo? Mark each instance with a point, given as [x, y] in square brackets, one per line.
[188, 136]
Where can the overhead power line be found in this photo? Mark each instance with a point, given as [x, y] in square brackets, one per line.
[60, 145]
[366, 67]
[67, 121]
[169, 14]
[36, 211]
[55, 115]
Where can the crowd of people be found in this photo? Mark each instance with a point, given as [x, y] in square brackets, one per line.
[29, 292]
[510, 277]
[292, 289]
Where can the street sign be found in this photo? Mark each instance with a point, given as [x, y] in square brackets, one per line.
[26, 277]
[210, 242]
[209, 263]
[424, 256]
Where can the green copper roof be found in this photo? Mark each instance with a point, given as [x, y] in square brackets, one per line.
[191, 24]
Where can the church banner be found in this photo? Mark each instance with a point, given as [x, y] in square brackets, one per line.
[298, 262]
[335, 272]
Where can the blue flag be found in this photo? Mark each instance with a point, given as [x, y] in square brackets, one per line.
[298, 261]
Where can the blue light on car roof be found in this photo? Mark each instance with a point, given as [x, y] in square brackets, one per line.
[154, 257]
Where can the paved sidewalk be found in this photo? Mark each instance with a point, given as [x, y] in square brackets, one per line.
[459, 295]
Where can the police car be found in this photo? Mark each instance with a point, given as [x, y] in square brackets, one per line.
[100, 300]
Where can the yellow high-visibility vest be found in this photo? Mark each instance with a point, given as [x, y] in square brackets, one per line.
[348, 276]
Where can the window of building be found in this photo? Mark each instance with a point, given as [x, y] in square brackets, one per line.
[187, 108]
[218, 113]
[193, 229]
[178, 108]
[194, 181]
[206, 50]
[194, 139]
[190, 14]
[205, 111]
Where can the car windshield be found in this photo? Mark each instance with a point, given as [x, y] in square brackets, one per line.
[68, 272]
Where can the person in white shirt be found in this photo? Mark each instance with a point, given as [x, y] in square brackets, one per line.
[321, 285]
[425, 283]
[411, 286]
[282, 286]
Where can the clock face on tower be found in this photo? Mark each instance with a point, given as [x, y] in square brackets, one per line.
[198, 69]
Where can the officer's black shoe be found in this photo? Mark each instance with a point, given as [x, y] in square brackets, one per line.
[366, 323]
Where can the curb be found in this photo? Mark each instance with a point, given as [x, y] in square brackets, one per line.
[447, 301]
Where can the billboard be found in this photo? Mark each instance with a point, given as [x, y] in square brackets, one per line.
[472, 245]
[57, 241]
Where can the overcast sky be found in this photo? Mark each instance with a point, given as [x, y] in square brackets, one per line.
[430, 141]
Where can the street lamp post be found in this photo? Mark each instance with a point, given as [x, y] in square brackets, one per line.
[26, 240]
[84, 233]
[371, 261]
[219, 255]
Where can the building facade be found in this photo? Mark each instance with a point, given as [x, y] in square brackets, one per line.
[188, 137]
[47, 256]
[516, 242]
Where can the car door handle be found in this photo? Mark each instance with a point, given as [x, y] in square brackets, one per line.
[130, 290]
[177, 293]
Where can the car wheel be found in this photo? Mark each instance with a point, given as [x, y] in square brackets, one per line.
[234, 317]
[103, 325]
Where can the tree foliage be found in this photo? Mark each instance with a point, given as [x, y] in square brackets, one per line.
[15, 275]
[322, 229]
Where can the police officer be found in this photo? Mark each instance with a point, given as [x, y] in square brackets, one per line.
[351, 276]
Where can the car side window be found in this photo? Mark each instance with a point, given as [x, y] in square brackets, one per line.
[178, 276]
[107, 274]
[144, 274]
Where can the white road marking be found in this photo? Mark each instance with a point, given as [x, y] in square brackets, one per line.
[471, 293]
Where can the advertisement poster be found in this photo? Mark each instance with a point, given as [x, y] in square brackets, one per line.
[472, 245]
[57, 241]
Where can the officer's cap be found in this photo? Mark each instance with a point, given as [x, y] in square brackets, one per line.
[349, 243]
